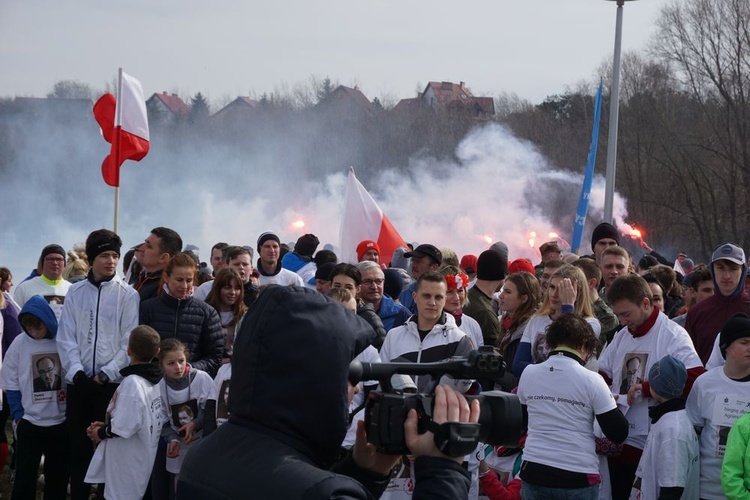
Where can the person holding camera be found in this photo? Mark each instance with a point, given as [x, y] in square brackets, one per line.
[288, 414]
[559, 455]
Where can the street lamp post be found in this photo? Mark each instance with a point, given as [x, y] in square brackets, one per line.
[614, 110]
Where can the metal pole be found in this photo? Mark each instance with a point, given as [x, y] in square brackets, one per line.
[614, 109]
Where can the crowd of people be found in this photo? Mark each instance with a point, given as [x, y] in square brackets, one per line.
[153, 375]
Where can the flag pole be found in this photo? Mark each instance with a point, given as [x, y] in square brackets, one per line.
[118, 129]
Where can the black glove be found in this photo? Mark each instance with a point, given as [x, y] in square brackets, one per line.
[84, 383]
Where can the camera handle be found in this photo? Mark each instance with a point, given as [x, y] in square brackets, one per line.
[455, 439]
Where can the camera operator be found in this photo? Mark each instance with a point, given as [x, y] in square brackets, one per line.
[288, 406]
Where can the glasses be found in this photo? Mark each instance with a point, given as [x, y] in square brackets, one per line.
[378, 282]
[54, 259]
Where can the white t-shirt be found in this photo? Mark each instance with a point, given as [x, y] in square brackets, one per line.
[181, 406]
[221, 393]
[33, 367]
[285, 277]
[53, 294]
[670, 459]
[561, 415]
[627, 360]
[535, 334]
[714, 403]
[124, 463]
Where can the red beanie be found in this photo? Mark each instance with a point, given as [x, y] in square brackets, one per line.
[520, 265]
[366, 245]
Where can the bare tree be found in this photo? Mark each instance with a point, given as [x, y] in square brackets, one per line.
[708, 43]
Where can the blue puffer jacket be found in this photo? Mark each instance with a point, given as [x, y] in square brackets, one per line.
[192, 322]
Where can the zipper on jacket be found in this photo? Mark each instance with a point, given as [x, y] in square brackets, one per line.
[96, 329]
[176, 319]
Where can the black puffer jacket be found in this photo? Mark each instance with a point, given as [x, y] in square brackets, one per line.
[192, 322]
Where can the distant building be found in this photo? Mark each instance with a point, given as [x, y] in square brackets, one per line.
[166, 108]
[346, 101]
[448, 96]
[236, 109]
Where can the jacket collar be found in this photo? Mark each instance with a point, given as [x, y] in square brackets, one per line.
[150, 371]
[656, 412]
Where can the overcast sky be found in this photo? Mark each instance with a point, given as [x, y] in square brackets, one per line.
[223, 49]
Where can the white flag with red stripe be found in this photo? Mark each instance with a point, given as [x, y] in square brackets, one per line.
[364, 220]
[124, 124]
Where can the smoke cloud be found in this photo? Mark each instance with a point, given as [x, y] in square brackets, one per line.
[498, 188]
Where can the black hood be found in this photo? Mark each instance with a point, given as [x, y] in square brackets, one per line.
[290, 366]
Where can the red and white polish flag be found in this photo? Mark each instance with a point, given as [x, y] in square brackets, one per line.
[124, 124]
[364, 220]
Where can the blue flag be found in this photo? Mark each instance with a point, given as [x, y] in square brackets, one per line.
[583, 201]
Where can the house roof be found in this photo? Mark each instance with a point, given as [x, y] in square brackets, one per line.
[447, 92]
[353, 96]
[240, 104]
[173, 103]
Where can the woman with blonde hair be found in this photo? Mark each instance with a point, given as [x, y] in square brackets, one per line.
[76, 269]
[568, 293]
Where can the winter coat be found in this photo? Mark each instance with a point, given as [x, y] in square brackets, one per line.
[279, 441]
[192, 322]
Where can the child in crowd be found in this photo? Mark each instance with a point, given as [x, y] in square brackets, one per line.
[718, 398]
[128, 439]
[669, 465]
[31, 376]
[184, 391]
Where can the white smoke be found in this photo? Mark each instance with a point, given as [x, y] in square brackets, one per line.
[499, 188]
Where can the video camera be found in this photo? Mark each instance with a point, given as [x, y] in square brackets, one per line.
[500, 419]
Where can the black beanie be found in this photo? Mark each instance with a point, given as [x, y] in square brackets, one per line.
[267, 236]
[736, 327]
[604, 230]
[102, 240]
[492, 266]
[306, 245]
[53, 248]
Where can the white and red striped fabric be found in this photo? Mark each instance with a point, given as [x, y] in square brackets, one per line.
[364, 220]
[124, 124]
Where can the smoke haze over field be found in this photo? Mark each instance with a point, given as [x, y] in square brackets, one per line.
[498, 188]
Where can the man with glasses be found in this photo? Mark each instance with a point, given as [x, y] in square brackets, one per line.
[371, 291]
[50, 284]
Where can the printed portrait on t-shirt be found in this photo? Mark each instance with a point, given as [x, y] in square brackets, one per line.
[55, 303]
[633, 370]
[184, 413]
[222, 404]
[540, 350]
[45, 368]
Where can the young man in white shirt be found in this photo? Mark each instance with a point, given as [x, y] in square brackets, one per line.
[648, 335]
[269, 263]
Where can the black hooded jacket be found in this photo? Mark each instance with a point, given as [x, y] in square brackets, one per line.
[288, 406]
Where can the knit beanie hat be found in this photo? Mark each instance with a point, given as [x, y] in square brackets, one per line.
[366, 245]
[100, 241]
[520, 265]
[267, 236]
[736, 327]
[604, 230]
[667, 377]
[500, 248]
[647, 262]
[491, 266]
[49, 249]
[394, 282]
[306, 245]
